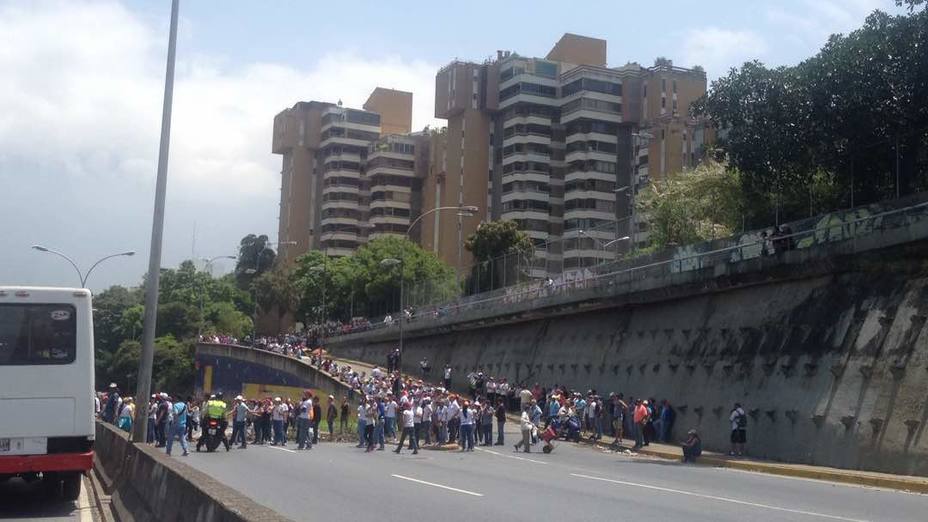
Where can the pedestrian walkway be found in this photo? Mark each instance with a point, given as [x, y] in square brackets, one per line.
[708, 458]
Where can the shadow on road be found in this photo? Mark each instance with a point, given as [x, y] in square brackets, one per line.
[24, 500]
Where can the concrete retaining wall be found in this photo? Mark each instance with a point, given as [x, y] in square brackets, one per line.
[828, 353]
[146, 485]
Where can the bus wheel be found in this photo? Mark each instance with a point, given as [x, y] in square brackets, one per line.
[72, 486]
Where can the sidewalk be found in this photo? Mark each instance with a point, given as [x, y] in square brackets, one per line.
[667, 451]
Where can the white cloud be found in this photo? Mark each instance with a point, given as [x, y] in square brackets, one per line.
[718, 50]
[813, 21]
[80, 109]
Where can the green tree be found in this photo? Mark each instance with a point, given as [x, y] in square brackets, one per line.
[224, 318]
[276, 294]
[489, 244]
[173, 368]
[693, 205]
[852, 116]
[255, 256]
[315, 275]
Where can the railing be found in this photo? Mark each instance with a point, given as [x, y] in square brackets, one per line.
[830, 228]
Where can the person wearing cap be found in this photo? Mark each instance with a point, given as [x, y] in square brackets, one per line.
[278, 416]
[161, 420]
[526, 427]
[111, 410]
[304, 420]
[240, 411]
[692, 446]
[331, 415]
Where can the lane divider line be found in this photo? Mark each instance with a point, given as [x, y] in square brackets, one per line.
[720, 499]
[280, 449]
[449, 488]
[511, 456]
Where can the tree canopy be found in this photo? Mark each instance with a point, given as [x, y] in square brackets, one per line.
[837, 127]
[255, 256]
[489, 244]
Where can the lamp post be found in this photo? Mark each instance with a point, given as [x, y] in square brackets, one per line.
[82, 277]
[323, 316]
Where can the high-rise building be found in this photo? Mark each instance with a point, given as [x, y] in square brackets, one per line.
[561, 145]
[325, 192]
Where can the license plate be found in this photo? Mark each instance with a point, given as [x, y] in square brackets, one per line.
[4, 444]
[24, 445]
[212, 431]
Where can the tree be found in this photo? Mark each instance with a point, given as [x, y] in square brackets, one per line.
[694, 205]
[255, 256]
[313, 276]
[852, 116]
[489, 244]
[275, 292]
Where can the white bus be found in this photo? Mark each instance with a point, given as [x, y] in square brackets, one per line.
[46, 386]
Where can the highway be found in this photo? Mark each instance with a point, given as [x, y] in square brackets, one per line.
[339, 482]
[27, 502]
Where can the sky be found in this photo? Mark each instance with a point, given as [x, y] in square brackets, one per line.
[81, 86]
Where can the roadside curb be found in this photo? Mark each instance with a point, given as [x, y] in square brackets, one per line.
[903, 483]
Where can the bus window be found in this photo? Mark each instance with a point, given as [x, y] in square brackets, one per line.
[37, 334]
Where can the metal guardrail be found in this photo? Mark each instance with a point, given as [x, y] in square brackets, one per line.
[743, 250]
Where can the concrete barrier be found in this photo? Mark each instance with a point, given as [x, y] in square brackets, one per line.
[147, 485]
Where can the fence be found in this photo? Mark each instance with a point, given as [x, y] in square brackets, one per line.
[829, 228]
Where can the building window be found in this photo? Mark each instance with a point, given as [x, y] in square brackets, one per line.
[663, 84]
[663, 103]
[675, 86]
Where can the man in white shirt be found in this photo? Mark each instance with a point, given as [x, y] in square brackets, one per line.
[278, 418]
[304, 420]
[454, 418]
[362, 423]
[389, 414]
[447, 377]
[409, 423]
[427, 415]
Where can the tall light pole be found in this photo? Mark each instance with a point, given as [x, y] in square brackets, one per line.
[82, 277]
[392, 261]
[324, 269]
[157, 231]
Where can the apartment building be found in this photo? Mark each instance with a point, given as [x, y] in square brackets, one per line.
[562, 145]
[325, 201]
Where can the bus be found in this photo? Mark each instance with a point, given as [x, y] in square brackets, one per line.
[46, 386]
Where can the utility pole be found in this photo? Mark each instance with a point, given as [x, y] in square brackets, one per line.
[143, 387]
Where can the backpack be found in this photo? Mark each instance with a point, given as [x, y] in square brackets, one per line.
[742, 421]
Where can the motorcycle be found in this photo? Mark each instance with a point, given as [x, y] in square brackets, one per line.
[212, 434]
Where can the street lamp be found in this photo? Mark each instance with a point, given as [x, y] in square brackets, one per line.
[82, 277]
[323, 316]
[392, 261]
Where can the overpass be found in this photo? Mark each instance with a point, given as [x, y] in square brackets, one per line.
[824, 343]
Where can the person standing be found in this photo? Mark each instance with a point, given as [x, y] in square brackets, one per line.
[126, 415]
[447, 377]
[317, 419]
[641, 419]
[389, 423]
[193, 418]
[331, 414]
[467, 427]
[240, 413]
[486, 423]
[408, 421]
[111, 410]
[500, 419]
[304, 421]
[739, 430]
[362, 422]
[162, 412]
[178, 427]
[278, 414]
[427, 416]
[417, 422]
[526, 426]
[344, 413]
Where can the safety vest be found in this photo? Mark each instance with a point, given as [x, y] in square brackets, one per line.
[216, 408]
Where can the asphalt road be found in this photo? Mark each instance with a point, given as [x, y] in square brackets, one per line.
[26, 502]
[340, 482]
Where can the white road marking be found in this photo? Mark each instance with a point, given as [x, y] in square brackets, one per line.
[511, 456]
[720, 499]
[83, 503]
[449, 488]
[280, 449]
